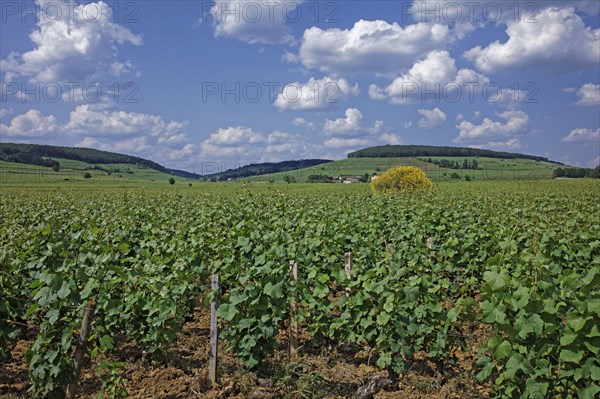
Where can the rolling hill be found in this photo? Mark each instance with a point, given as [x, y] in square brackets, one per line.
[264, 168]
[42, 155]
[78, 158]
[397, 151]
[29, 163]
[439, 162]
[32, 163]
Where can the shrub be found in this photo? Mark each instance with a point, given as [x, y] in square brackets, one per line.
[87, 175]
[401, 179]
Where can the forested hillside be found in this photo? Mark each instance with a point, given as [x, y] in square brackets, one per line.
[265, 168]
[397, 151]
[35, 154]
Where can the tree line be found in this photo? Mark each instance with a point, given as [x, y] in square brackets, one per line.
[576, 173]
[265, 168]
[450, 164]
[400, 151]
[36, 154]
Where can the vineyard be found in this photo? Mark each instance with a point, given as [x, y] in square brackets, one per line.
[516, 262]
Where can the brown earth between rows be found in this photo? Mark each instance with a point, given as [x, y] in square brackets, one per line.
[326, 372]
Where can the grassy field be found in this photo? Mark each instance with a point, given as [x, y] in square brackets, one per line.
[71, 174]
[490, 168]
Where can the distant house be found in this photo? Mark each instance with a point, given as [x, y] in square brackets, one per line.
[349, 180]
[337, 179]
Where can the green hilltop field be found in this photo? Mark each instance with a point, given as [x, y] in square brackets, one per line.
[25, 164]
[71, 173]
[488, 168]
[439, 163]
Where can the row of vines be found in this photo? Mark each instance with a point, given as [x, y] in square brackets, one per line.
[521, 258]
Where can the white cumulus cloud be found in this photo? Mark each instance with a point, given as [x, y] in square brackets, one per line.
[348, 133]
[30, 124]
[316, 94]
[303, 122]
[589, 95]
[582, 135]
[558, 42]
[139, 134]
[255, 22]
[434, 78]
[369, 46]
[91, 120]
[242, 145]
[80, 46]
[5, 112]
[506, 145]
[515, 122]
[351, 123]
[431, 118]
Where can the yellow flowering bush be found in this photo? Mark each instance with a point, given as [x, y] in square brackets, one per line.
[401, 179]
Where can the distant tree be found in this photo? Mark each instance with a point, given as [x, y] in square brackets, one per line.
[171, 181]
[465, 164]
[190, 184]
[364, 178]
[87, 175]
[289, 179]
[467, 178]
[559, 172]
[455, 175]
[594, 173]
[575, 173]
[474, 164]
[319, 179]
[56, 168]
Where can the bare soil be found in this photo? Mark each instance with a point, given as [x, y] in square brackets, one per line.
[328, 372]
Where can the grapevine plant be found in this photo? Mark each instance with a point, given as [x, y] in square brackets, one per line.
[518, 259]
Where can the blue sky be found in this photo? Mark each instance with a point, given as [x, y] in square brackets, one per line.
[193, 84]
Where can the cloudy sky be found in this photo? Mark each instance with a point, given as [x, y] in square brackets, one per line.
[193, 83]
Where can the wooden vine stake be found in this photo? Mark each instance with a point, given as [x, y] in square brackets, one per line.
[429, 243]
[348, 263]
[79, 357]
[214, 332]
[293, 311]
[391, 250]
